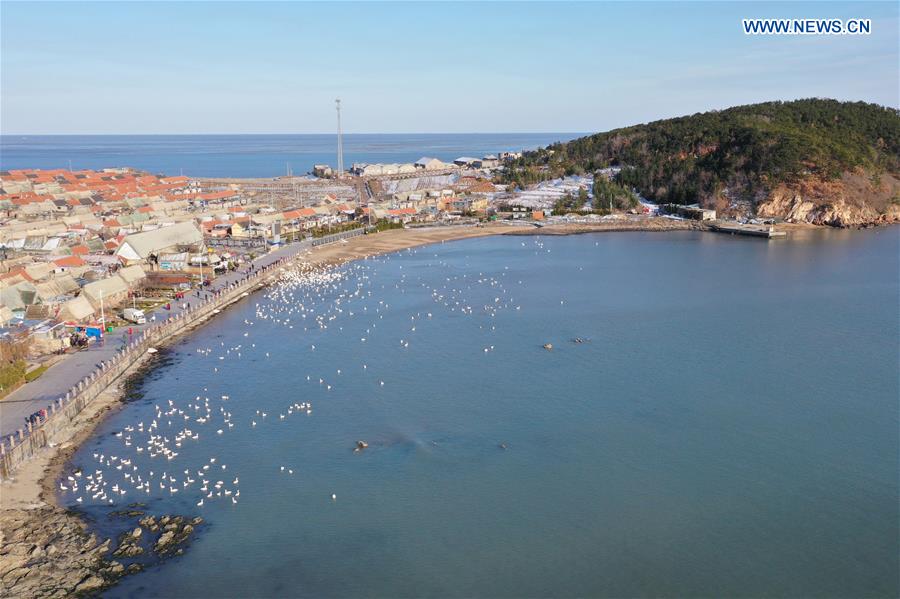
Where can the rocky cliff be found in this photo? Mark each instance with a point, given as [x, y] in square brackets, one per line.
[856, 199]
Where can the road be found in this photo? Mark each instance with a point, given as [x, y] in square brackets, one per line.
[63, 375]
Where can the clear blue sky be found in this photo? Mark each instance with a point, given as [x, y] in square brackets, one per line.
[241, 67]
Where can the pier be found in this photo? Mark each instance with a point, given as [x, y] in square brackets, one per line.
[765, 231]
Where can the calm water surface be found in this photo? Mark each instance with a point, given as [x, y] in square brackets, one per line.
[729, 428]
[250, 155]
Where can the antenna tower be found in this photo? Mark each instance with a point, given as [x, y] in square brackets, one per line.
[340, 140]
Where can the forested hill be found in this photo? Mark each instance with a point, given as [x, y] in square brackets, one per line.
[812, 160]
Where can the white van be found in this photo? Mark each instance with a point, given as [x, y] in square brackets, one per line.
[134, 315]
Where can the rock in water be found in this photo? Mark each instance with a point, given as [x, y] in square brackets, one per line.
[165, 539]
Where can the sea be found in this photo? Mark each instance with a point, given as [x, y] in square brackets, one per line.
[716, 416]
[251, 155]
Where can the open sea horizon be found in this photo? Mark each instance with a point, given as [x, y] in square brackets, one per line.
[251, 155]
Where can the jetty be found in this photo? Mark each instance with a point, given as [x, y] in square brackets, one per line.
[735, 228]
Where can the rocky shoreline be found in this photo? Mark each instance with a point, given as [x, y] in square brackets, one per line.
[48, 551]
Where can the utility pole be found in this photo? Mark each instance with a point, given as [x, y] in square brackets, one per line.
[340, 140]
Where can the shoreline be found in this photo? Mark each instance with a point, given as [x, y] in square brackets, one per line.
[334, 255]
[29, 498]
[38, 534]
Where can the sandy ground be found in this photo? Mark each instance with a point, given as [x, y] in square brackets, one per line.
[394, 240]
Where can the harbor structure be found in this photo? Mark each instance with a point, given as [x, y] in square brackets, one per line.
[693, 212]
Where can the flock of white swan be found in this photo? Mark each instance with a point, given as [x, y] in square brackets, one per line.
[168, 453]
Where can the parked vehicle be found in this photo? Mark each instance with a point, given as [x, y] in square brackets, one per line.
[134, 315]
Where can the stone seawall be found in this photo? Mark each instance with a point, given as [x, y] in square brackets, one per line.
[27, 442]
[22, 446]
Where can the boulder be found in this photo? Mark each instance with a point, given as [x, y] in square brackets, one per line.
[164, 541]
[90, 584]
[149, 523]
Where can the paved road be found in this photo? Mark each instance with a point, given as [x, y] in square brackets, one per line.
[62, 376]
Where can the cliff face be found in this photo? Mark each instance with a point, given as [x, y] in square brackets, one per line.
[855, 199]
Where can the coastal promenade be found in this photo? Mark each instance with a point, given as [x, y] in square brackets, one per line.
[65, 374]
[70, 388]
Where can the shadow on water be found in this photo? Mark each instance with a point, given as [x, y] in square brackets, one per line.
[133, 389]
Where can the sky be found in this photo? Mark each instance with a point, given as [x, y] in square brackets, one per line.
[260, 67]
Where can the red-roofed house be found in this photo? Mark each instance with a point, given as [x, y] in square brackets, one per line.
[16, 273]
[402, 215]
[69, 262]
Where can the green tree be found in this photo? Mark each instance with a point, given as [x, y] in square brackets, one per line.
[612, 195]
[582, 197]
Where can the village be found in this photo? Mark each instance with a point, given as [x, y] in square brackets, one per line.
[86, 254]
[79, 247]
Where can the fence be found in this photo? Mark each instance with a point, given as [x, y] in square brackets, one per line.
[229, 242]
[27, 442]
[340, 236]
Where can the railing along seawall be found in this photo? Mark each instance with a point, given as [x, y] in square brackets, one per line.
[18, 448]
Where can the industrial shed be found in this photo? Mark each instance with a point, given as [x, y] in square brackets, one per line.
[76, 309]
[140, 246]
[429, 164]
[112, 290]
[55, 288]
[38, 270]
[132, 275]
[17, 296]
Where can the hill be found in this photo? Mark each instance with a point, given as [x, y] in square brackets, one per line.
[816, 160]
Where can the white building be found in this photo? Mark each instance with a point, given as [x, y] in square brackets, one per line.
[429, 164]
[140, 246]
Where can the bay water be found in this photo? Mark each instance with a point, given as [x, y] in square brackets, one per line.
[718, 416]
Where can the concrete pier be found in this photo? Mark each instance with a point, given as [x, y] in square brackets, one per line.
[766, 231]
